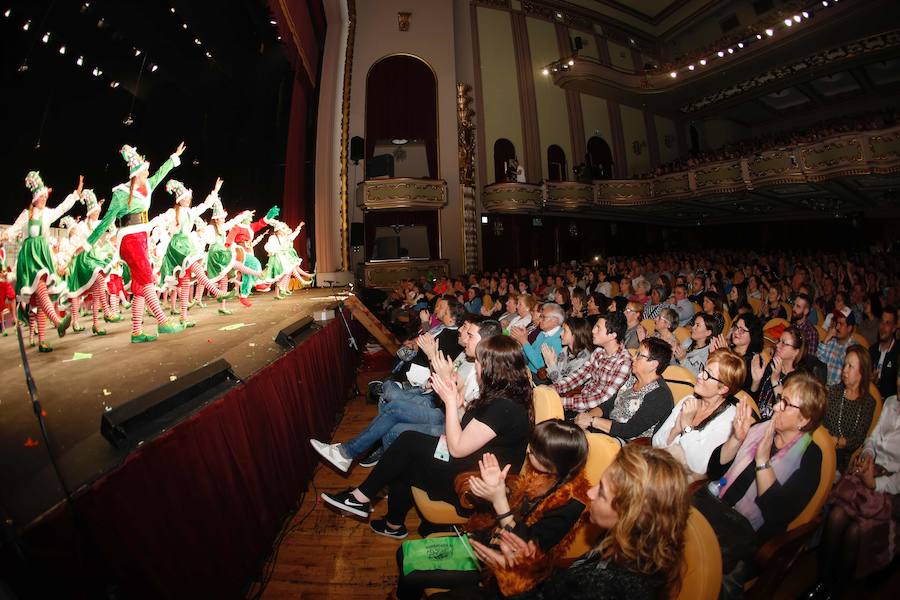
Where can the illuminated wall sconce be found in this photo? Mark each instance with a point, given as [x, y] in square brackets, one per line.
[403, 20]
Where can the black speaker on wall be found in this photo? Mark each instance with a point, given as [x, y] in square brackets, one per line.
[380, 166]
[357, 234]
[357, 149]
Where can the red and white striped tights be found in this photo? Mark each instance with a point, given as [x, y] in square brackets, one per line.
[184, 285]
[41, 298]
[144, 295]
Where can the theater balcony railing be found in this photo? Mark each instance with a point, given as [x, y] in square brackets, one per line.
[407, 193]
[848, 154]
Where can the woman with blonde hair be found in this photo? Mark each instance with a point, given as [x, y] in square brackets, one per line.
[764, 476]
[701, 422]
[643, 505]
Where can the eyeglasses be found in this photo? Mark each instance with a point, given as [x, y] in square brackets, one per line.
[644, 356]
[740, 329]
[780, 399]
[781, 342]
[631, 310]
[704, 374]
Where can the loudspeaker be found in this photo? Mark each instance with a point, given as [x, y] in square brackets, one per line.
[577, 44]
[287, 337]
[143, 417]
[380, 166]
[357, 234]
[357, 149]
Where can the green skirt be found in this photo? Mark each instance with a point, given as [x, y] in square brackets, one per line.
[219, 262]
[180, 255]
[35, 262]
[280, 264]
[84, 270]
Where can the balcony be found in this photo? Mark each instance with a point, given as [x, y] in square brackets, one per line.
[840, 156]
[406, 193]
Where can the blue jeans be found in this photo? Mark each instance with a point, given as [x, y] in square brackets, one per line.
[399, 410]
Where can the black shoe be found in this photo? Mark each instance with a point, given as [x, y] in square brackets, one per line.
[344, 501]
[372, 459]
[374, 392]
[380, 527]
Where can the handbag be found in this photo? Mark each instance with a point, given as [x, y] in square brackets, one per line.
[437, 554]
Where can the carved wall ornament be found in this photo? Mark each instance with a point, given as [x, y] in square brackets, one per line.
[403, 20]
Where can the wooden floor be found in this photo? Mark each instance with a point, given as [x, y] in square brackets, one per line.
[330, 556]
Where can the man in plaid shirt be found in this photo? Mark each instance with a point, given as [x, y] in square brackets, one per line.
[800, 320]
[834, 348]
[604, 373]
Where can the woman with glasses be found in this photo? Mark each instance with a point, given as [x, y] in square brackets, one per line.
[745, 340]
[850, 405]
[765, 476]
[642, 403]
[666, 322]
[635, 332]
[693, 352]
[791, 357]
[701, 422]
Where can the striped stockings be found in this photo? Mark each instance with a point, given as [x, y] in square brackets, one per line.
[45, 305]
[144, 295]
[98, 291]
[198, 272]
[184, 294]
[114, 302]
[75, 307]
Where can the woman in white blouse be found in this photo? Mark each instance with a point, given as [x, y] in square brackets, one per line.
[701, 422]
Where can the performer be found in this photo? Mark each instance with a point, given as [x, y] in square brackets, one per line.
[283, 259]
[220, 259]
[131, 201]
[7, 292]
[88, 268]
[241, 237]
[182, 258]
[37, 280]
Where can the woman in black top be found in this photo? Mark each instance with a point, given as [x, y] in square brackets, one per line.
[642, 503]
[763, 477]
[543, 505]
[498, 421]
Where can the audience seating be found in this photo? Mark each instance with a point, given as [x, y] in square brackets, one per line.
[776, 324]
[681, 333]
[879, 404]
[822, 333]
[776, 558]
[755, 303]
[547, 404]
[702, 572]
[680, 381]
[649, 325]
[742, 395]
[858, 338]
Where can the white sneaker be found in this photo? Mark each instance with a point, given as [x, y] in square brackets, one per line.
[332, 453]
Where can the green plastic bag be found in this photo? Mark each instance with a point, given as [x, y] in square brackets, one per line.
[438, 554]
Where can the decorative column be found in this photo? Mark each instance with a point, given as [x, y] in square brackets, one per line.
[465, 129]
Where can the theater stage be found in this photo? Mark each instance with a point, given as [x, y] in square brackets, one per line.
[75, 393]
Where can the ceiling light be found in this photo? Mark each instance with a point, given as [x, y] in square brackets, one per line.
[137, 52]
[740, 44]
[788, 22]
[7, 12]
[399, 141]
[690, 67]
[825, 3]
[673, 74]
[208, 55]
[79, 61]
[184, 25]
[96, 72]
[731, 51]
[173, 10]
[805, 14]
[702, 62]
[770, 32]
[114, 84]
[278, 37]
[46, 37]
[62, 49]
[153, 68]
[797, 18]
[546, 71]
[197, 41]
[571, 63]
[273, 22]
[26, 25]
[759, 36]
[559, 15]
[720, 54]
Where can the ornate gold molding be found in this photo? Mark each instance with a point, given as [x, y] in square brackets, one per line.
[512, 197]
[345, 131]
[389, 274]
[401, 193]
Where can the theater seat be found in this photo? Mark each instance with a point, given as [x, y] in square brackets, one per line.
[777, 557]
[547, 404]
[681, 333]
[742, 395]
[680, 381]
[649, 325]
[879, 404]
[860, 339]
[702, 571]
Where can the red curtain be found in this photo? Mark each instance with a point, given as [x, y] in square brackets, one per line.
[401, 102]
[294, 205]
[192, 513]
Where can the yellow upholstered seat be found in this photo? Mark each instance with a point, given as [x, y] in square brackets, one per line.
[702, 571]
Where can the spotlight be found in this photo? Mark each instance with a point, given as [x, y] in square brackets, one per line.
[545, 71]
[273, 22]
[62, 49]
[740, 44]
[96, 72]
[731, 51]
[702, 62]
[554, 69]
[559, 15]
[172, 10]
[23, 67]
[805, 14]
[770, 32]
[128, 121]
[571, 63]
[153, 67]
[184, 25]
[197, 41]
[759, 36]
[208, 55]
[720, 54]
[137, 52]
[278, 37]
[825, 3]
[114, 84]
[690, 67]
[46, 37]
[797, 18]
[79, 61]
[7, 12]
[26, 25]
[788, 22]
[673, 74]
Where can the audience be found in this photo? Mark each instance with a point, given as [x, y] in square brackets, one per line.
[635, 332]
[577, 342]
[791, 357]
[834, 347]
[884, 354]
[701, 422]
[694, 350]
[763, 476]
[550, 326]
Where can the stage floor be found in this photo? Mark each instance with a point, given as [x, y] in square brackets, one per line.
[75, 393]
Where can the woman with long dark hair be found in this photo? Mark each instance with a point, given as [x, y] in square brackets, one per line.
[499, 422]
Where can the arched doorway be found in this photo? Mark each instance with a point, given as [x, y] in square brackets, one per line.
[504, 151]
[401, 114]
[599, 158]
[556, 163]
